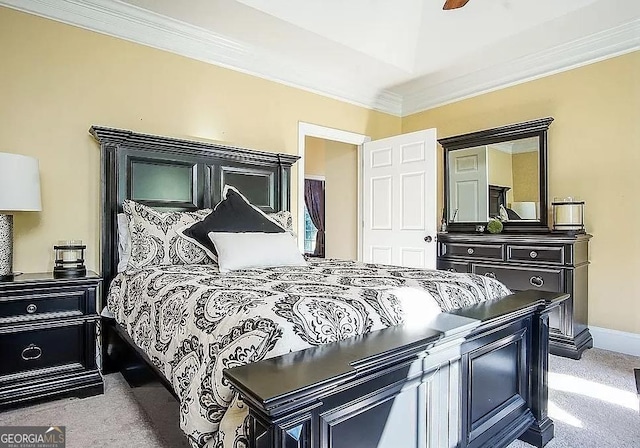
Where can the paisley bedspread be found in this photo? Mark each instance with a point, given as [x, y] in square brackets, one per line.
[193, 322]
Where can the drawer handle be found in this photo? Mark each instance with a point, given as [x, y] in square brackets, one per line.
[31, 308]
[536, 281]
[470, 251]
[31, 352]
[490, 274]
[533, 254]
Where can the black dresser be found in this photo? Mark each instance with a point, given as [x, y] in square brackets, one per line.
[48, 338]
[548, 262]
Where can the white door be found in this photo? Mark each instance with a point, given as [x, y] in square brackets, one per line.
[468, 185]
[399, 200]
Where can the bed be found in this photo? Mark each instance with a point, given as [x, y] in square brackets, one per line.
[252, 365]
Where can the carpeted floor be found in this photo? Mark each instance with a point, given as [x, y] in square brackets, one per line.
[593, 403]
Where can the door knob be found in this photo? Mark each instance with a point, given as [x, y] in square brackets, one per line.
[428, 239]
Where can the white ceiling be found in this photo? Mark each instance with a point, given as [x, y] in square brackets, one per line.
[398, 56]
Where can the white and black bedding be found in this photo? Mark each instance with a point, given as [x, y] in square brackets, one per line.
[193, 322]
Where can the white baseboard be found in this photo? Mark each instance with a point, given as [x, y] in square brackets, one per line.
[616, 341]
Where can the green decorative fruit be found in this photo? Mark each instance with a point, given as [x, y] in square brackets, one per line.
[495, 226]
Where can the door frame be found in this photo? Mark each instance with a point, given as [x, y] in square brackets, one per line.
[338, 135]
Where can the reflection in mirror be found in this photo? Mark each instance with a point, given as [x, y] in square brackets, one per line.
[495, 180]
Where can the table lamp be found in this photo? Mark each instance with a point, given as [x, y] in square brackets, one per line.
[19, 192]
[568, 215]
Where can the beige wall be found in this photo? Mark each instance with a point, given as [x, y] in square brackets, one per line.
[314, 154]
[57, 80]
[341, 204]
[594, 153]
[526, 182]
[500, 170]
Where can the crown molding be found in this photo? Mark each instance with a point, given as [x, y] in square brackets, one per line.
[516, 146]
[141, 26]
[594, 48]
[129, 22]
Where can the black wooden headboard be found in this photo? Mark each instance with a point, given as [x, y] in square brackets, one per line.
[173, 174]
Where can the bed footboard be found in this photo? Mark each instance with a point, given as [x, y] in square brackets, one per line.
[475, 377]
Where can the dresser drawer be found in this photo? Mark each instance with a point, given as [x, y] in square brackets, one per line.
[23, 351]
[453, 266]
[41, 303]
[519, 279]
[543, 254]
[476, 251]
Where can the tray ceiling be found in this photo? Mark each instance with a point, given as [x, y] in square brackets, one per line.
[398, 59]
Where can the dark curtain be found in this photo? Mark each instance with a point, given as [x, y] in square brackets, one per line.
[314, 199]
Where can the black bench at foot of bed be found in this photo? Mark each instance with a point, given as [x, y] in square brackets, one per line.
[475, 377]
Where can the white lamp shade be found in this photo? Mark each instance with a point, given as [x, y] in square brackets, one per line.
[19, 183]
[526, 210]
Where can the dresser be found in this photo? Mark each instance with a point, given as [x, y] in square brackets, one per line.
[48, 338]
[546, 262]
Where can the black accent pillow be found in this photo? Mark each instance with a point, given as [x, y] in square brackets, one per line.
[234, 214]
[512, 215]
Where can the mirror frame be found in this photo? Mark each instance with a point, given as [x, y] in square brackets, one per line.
[534, 128]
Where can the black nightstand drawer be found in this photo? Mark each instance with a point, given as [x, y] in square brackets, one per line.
[520, 279]
[477, 251]
[48, 329]
[453, 266]
[41, 348]
[543, 254]
[40, 303]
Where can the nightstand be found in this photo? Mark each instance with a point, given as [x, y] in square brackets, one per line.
[48, 338]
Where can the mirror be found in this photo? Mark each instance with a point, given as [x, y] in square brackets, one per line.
[497, 173]
[494, 180]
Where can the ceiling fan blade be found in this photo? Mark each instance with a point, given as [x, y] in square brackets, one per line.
[454, 4]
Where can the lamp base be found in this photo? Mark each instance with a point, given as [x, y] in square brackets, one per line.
[569, 231]
[60, 272]
[6, 246]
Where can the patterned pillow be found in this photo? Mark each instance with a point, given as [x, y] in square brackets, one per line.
[285, 220]
[154, 240]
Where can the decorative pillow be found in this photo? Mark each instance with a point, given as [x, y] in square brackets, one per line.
[255, 250]
[284, 220]
[124, 242]
[233, 214]
[154, 237]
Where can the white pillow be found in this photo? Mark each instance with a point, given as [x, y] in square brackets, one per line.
[249, 250]
[124, 242]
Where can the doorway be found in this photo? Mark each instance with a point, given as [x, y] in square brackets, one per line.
[397, 189]
[331, 199]
[334, 156]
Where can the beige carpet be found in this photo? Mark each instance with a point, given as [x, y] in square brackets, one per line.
[114, 419]
[593, 403]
